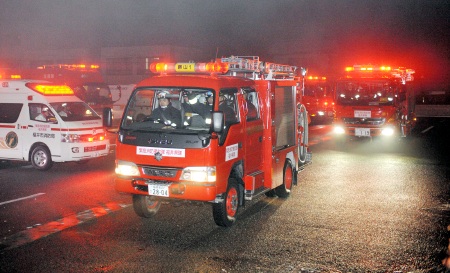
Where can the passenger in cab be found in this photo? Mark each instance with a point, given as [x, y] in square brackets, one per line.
[252, 112]
[45, 115]
[64, 110]
[230, 115]
[192, 104]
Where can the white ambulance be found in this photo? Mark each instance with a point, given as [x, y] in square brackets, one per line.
[44, 123]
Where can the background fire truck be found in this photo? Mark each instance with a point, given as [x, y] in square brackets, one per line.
[251, 140]
[374, 101]
[85, 80]
[318, 99]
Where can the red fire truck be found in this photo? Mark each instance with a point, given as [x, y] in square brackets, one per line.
[220, 132]
[374, 101]
[318, 99]
[85, 80]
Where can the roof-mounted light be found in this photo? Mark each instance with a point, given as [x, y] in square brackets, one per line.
[405, 74]
[81, 67]
[51, 89]
[316, 78]
[367, 68]
[11, 77]
[189, 67]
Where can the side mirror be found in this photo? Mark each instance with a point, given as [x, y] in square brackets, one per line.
[107, 117]
[217, 122]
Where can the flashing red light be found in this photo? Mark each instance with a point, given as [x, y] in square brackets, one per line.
[316, 78]
[367, 68]
[81, 67]
[188, 67]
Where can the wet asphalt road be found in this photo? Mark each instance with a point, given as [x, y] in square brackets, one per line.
[367, 207]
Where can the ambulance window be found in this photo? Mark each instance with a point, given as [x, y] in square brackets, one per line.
[251, 100]
[9, 112]
[41, 112]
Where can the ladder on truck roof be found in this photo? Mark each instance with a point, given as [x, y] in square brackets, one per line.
[405, 74]
[251, 67]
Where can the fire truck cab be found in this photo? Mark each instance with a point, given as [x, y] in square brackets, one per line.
[318, 99]
[44, 123]
[374, 101]
[220, 132]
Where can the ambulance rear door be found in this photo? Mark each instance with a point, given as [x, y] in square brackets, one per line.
[11, 132]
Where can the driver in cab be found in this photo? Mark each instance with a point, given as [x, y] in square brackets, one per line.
[165, 113]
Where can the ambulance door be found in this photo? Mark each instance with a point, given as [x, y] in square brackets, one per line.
[11, 137]
[253, 132]
[43, 127]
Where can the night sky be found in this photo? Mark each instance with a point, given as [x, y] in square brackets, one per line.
[413, 33]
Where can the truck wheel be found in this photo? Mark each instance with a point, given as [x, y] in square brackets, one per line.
[224, 213]
[41, 158]
[270, 193]
[284, 190]
[145, 206]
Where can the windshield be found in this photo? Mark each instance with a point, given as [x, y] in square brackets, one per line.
[169, 108]
[316, 90]
[97, 92]
[365, 92]
[93, 93]
[74, 111]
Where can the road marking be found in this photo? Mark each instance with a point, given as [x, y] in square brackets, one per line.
[426, 130]
[39, 231]
[22, 198]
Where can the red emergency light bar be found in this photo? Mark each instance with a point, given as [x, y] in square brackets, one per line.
[51, 89]
[189, 67]
[71, 66]
[13, 77]
[316, 78]
[369, 68]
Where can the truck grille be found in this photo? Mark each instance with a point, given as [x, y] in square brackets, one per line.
[367, 121]
[161, 172]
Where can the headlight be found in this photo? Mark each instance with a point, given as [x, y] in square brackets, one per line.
[70, 138]
[389, 131]
[126, 168]
[338, 130]
[199, 174]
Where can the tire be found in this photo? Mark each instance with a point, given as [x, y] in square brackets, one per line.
[284, 190]
[41, 159]
[145, 205]
[270, 193]
[225, 212]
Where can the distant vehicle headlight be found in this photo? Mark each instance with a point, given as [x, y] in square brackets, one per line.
[388, 131]
[338, 130]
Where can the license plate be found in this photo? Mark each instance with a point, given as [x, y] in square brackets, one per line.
[362, 132]
[158, 189]
[94, 148]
